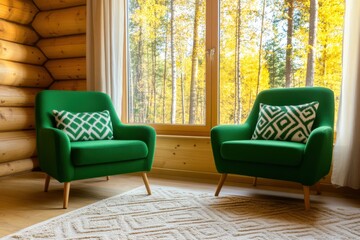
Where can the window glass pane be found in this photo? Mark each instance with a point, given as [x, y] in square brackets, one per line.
[265, 44]
[166, 66]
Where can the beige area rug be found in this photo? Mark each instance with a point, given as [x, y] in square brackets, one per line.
[174, 213]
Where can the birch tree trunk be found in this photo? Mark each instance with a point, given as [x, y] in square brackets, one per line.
[138, 83]
[288, 67]
[173, 72]
[154, 66]
[237, 107]
[312, 42]
[194, 65]
[164, 76]
[182, 98]
[260, 46]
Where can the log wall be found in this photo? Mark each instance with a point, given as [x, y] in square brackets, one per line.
[22, 76]
[61, 25]
[42, 46]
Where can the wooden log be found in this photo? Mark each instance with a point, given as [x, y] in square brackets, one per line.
[20, 11]
[74, 85]
[56, 23]
[57, 4]
[62, 69]
[64, 47]
[16, 118]
[17, 145]
[17, 97]
[17, 33]
[13, 167]
[21, 53]
[19, 74]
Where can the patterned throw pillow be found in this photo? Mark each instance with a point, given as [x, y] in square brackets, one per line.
[84, 126]
[286, 123]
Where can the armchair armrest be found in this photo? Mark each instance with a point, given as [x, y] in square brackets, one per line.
[54, 154]
[222, 133]
[318, 154]
[134, 132]
[143, 133]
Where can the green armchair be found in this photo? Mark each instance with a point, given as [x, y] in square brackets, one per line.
[235, 152]
[130, 149]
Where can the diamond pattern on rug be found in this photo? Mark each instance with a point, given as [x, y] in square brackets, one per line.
[172, 213]
[286, 123]
[85, 126]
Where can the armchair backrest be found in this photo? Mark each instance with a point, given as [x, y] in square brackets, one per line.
[73, 101]
[297, 96]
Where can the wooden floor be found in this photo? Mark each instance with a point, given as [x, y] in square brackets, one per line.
[24, 203]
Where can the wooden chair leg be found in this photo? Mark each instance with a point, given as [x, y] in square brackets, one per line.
[66, 194]
[47, 182]
[221, 183]
[255, 181]
[146, 182]
[307, 197]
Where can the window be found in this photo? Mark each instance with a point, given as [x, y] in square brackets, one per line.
[193, 64]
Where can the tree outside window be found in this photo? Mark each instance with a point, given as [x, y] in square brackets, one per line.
[261, 44]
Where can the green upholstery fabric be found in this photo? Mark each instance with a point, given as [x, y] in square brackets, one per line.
[106, 151]
[262, 151]
[269, 160]
[131, 150]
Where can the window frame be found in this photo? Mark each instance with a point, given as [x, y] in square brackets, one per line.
[212, 79]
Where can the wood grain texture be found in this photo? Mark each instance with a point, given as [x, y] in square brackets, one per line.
[16, 118]
[21, 53]
[63, 47]
[23, 75]
[74, 85]
[184, 154]
[17, 33]
[17, 96]
[20, 11]
[17, 145]
[56, 23]
[18, 166]
[57, 4]
[63, 69]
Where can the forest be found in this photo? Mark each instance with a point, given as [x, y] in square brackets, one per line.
[262, 44]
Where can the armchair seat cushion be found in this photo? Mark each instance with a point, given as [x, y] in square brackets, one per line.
[107, 151]
[263, 152]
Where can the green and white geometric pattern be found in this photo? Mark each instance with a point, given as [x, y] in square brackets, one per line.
[85, 126]
[285, 123]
